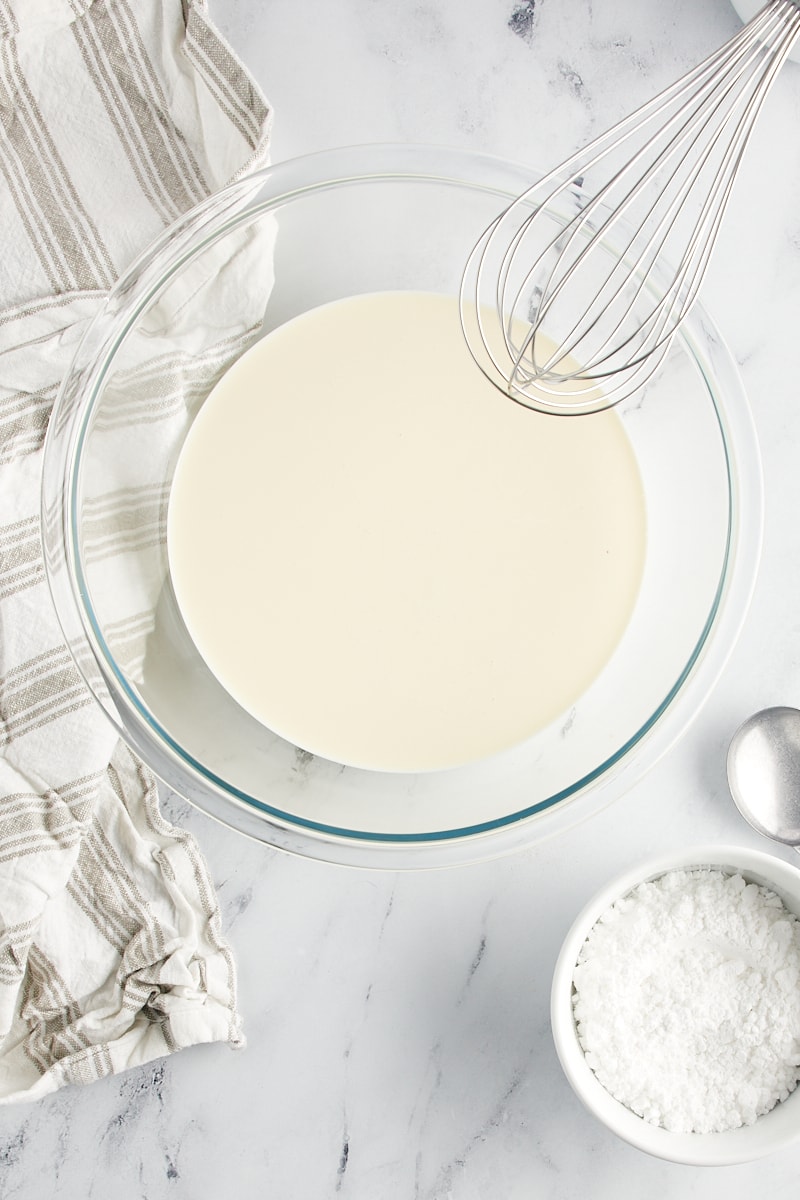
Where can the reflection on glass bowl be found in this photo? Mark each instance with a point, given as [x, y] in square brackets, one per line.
[301, 234]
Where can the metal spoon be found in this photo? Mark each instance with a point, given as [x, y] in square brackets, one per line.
[764, 773]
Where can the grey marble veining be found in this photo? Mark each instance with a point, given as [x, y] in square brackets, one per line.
[397, 1024]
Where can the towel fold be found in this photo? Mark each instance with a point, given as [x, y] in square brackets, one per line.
[115, 117]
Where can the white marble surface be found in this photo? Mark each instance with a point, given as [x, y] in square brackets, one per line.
[398, 1033]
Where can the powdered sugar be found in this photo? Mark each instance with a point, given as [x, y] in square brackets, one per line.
[687, 1000]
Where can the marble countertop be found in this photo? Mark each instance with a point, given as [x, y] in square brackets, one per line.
[398, 1034]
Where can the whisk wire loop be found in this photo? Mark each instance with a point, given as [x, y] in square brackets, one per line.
[650, 328]
[666, 222]
[569, 299]
[661, 320]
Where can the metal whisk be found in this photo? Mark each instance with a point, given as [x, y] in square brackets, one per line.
[570, 298]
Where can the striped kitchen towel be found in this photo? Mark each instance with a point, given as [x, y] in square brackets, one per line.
[115, 117]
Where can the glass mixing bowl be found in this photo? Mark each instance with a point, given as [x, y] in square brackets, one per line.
[773, 1131]
[271, 246]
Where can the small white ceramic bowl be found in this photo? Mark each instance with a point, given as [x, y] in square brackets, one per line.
[772, 1131]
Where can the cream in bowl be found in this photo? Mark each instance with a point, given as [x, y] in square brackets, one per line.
[384, 559]
[676, 1005]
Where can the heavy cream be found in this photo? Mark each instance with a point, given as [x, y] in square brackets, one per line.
[387, 561]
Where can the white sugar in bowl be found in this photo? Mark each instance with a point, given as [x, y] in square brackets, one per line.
[772, 1130]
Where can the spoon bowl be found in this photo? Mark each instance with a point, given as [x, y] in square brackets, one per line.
[764, 773]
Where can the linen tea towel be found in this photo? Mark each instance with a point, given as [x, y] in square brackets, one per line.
[115, 117]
